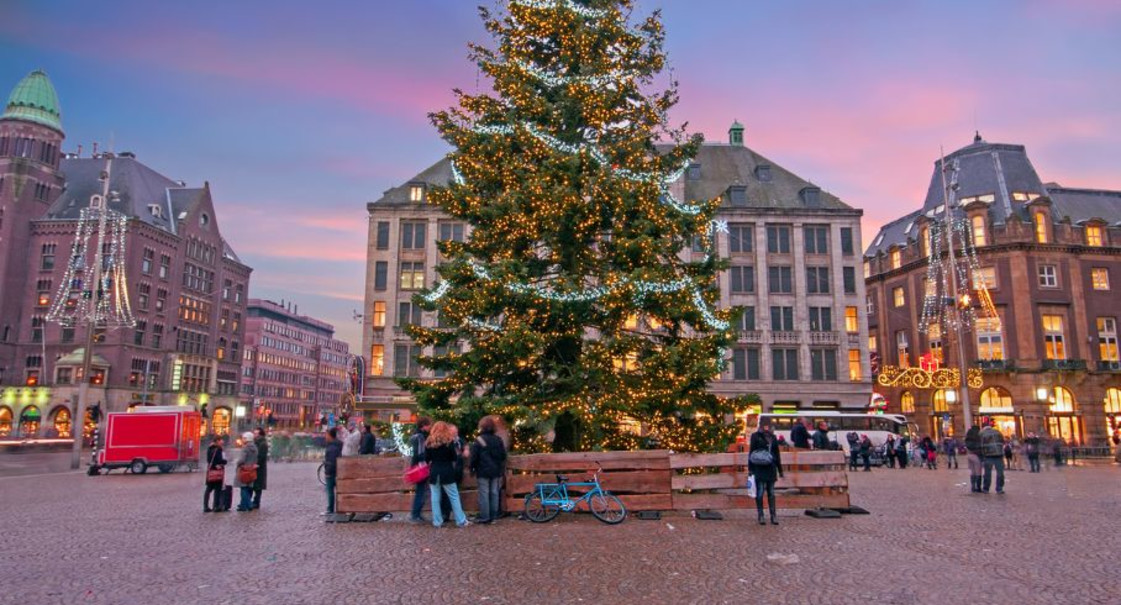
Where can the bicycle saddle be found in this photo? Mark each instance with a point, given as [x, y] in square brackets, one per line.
[561, 479]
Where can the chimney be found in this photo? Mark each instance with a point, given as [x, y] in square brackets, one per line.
[735, 134]
[79, 151]
[95, 149]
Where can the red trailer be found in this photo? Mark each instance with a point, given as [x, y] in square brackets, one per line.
[166, 437]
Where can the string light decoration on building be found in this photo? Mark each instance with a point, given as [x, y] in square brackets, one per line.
[570, 301]
[919, 378]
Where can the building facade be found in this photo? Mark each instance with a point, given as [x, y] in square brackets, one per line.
[1049, 256]
[293, 368]
[794, 255]
[186, 287]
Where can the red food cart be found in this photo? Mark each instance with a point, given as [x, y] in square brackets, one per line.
[166, 437]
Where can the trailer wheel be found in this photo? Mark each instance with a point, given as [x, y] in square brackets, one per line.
[138, 467]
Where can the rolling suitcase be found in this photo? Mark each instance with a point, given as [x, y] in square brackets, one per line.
[227, 498]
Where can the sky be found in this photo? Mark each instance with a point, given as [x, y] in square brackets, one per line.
[300, 113]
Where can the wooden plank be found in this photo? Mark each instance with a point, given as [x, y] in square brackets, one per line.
[650, 459]
[789, 457]
[657, 481]
[631, 502]
[726, 480]
[375, 485]
[731, 501]
[380, 503]
[368, 467]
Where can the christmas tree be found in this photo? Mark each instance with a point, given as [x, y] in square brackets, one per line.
[569, 309]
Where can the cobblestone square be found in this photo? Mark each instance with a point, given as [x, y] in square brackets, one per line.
[125, 539]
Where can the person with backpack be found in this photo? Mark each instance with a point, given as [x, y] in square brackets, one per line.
[764, 462]
[215, 477]
[488, 464]
[416, 444]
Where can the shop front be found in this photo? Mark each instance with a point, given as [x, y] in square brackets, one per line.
[1112, 405]
[30, 419]
[996, 405]
[941, 420]
[5, 421]
[1063, 420]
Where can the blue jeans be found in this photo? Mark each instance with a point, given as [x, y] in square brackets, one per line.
[246, 502]
[488, 498]
[331, 482]
[420, 494]
[452, 490]
[990, 462]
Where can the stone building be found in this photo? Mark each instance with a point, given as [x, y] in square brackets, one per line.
[294, 368]
[794, 255]
[187, 288]
[1049, 255]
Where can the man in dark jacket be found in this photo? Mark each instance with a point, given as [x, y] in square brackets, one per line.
[821, 437]
[262, 482]
[992, 451]
[854, 448]
[488, 463]
[800, 435]
[331, 465]
[416, 443]
[973, 457]
[369, 444]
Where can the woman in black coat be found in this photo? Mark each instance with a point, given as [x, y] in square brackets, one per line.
[262, 482]
[214, 461]
[763, 442]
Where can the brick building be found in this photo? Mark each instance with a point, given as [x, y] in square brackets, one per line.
[794, 254]
[293, 367]
[187, 288]
[1050, 256]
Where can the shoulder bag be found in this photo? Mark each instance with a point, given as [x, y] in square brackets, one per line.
[215, 475]
[247, 473]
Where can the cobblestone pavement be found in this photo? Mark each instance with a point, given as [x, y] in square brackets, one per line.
[124, 539]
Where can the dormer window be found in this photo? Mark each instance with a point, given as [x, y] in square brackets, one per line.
[763, 173]
[896, 258]
[155, 210]
[737, 195]
[1094, 235]
[693, 173]
[416, 192]
[1040, 220]
[811, 197]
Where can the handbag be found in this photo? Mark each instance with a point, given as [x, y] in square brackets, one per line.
[417, 473]
[247, 474]
[215, 475]
[761, 458]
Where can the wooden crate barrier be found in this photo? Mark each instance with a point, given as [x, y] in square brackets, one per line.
[643, 480]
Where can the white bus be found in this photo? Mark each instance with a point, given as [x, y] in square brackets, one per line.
[876, 426]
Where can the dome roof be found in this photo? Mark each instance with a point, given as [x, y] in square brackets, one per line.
[34, 100]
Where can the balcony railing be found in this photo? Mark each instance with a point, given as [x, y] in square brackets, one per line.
[752, 336]
[1109, 366]
[824, 338]
[854, 339]
[1065, 365]
[790, 338]
[995, 365]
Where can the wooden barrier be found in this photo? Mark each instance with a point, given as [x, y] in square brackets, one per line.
[643, 480]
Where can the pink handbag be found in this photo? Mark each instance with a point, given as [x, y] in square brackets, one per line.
[417, 474]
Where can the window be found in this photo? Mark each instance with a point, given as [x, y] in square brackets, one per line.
[852, 321]
[854, 365]
[821, 319]
[408, 314]
[451, 232]
[381, 268]
[924, 241]
[405, 360]
[46, 261]
[1048, 276]
[412, 275]
[377, 314]
[778, 239]
[157, 336]
[747, 320]
[896, 259]
[382, 238]
[846, 241]
[902, 349]
[138, 335]
[934, 338]
[867, 269]
[940, 399]
[823, 364]
[782, 319]
[737, 196]
[873, 343]
[1099, 277]
[1093, 235]
[377, 360]
[1107, 339]
[743, 279]
[1040, 221]
[740, 237]
[36, 328]
[443, 351]
[907, 402]
[1053, 337]
[67, 335]
[1113, 401]
[161, 299]
[745, 364]
[416, 192]
[817, 239]
[1063, 401]
[413, 235]
[779, 280]
[693, 173]
[817, 280]
[699, 244]
[897, 297]
[996, 397]
[984, 278]
[990, 342]
[784, 364]
[848, 274]
[979, 234]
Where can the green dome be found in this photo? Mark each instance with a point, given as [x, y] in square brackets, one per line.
[34, 100]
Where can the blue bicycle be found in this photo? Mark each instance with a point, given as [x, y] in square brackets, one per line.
[548, 499]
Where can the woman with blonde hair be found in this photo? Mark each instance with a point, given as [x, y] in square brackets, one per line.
[441, 453]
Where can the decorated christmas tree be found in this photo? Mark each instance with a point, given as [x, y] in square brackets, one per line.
[569, 308]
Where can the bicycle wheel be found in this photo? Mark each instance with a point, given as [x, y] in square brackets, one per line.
[319, 472]
[608, 508]
[537, 511]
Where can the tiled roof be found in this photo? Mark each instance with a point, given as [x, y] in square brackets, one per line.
[1084, 204]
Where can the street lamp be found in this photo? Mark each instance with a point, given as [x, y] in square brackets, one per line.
[1041, 394]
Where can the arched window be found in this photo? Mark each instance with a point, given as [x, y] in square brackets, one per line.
[980, 238]
[1112, 401]
[29, 420]
[221, 421]
[5, 421]
[940, 399]
[996, 397]
[61, 422]
[1063, 401]
[907, 402]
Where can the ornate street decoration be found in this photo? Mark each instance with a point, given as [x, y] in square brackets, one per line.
[918, 378]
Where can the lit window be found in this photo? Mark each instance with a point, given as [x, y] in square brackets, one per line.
[1093, 235]
[1040, 227]
[996, 397]
[626, 363]
[854, 365]
[1099, 276]
[897, 296]
[852, 326]
[924, 241]
[1063, 401]
[416, 193]
[378, 315]
[377, 360]
[631, 323]
[896, 259]
[1107, 339]
[941, 396]
[979, 236]
[867, 270]
[1113, 401]
[1053, 337]
[990, 342]
[412, 276]
[872, 344]
[1048, 276]
[903, 349]
[907, 402]
[984, 278]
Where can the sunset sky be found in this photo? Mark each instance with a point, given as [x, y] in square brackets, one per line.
[300, 113]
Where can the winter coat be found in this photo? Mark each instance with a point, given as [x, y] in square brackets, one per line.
[764, 441]
[350, 444]
[800, 436]
[262, 481]
[442, 464]
[821, 440]
[992, 443]
[973, 440]
[1031, 446]
[865, 447]
[215, 458]
[368, 445]
[331, 458]
[416, 443]
[248, 456]
[488, 456]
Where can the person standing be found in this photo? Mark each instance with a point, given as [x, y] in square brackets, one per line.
[503, 433]
[331, 466]
[764, 462]
[488, 464]
[992, 448]
[889, 451]
[800, 435]
[215, 465]
[262, 443]
[416, 444]
[866, 452]
[247, 461]
[351, 441]
[821, 437]
[368, 446]
[442, 455]
[1009, 456]
[950, 446]
[854, 448]
[901, 451]
[973, 457]
[1031, 448]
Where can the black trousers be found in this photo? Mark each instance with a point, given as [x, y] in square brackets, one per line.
[214, 487]
[760, 488]
[257, 497]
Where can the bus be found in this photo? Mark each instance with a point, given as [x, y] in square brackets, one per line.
[876, 426]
